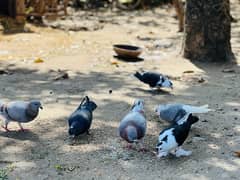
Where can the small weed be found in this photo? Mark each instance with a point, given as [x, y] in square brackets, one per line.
[5, 171]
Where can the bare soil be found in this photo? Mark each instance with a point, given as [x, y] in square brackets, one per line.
[46, 152]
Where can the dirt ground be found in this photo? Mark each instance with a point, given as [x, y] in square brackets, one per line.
[45, 152]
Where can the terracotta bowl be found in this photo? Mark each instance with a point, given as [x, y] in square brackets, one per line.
[127, 51]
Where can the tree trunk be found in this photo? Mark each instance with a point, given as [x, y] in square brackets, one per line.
[208, 30]
[20, 11]
[14, 19]
[178, 5]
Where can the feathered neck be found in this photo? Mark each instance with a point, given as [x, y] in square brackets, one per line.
[138, 109]
[30, 113]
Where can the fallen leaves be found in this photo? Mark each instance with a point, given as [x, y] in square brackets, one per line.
[38, 60]
[188, 71]
[237, 153]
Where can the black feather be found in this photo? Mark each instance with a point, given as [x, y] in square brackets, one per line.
[181, 131]
[149, 78]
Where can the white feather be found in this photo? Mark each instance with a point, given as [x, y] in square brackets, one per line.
[169, 145]
[196, 109]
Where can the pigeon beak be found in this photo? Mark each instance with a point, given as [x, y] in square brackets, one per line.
[41, 107]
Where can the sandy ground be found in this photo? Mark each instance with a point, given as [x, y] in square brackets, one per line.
[45, 152]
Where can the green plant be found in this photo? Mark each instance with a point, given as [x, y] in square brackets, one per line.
[5, 171]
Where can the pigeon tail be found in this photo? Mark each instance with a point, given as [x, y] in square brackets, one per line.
[131, 134]
[138, 75]
[196, 109]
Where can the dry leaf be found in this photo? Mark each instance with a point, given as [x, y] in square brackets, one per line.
[38, 60]
[114, 63]
[237, 153]
[188, 71]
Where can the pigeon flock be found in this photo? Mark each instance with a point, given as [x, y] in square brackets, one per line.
[132, 127]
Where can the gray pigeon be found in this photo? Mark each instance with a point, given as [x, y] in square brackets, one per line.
[133, 126]
[19, 111]
[178, 113]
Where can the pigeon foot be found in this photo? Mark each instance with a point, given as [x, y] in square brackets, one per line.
[5, 128]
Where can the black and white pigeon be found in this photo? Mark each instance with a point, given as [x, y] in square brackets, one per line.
[171, 139]
[81, 119]
[154, 80]
[133, 126]
[178, 113]
[19, 111]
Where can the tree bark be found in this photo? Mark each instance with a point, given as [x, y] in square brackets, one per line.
[208, 30]
[178, 5]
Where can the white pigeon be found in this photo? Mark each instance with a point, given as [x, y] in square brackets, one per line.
[171, 139]
[133, 126]
[178, 113]
[19, 111]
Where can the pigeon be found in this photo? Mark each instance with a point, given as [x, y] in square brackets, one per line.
[19, 111]
[81, 119]
[171, 139]
[133, 126]
[154, 80]
[178, 113]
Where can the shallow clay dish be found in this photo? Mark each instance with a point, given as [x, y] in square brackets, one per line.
[127, 50]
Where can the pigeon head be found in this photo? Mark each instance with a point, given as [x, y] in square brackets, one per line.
[35, 105]
[138, 105]
[165, 82]
[192, 119]
[86, 103]
[160, 108]
[159, 147]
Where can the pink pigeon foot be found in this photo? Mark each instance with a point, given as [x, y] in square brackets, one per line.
[130, 147]
[23, 130]
[6, 129]
[143, 149]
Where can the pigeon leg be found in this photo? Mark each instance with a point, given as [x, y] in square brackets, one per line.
[21, 127]
[181, 152]
[142, 148]
[4, 123]
[6, 128]
[129, 146]
[152, 89]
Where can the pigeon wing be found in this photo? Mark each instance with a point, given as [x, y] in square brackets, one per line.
[17, 111]
[172, 113]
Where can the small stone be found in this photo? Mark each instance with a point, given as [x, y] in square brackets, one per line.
[201, 80]
[228, 71]
[196, 139]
